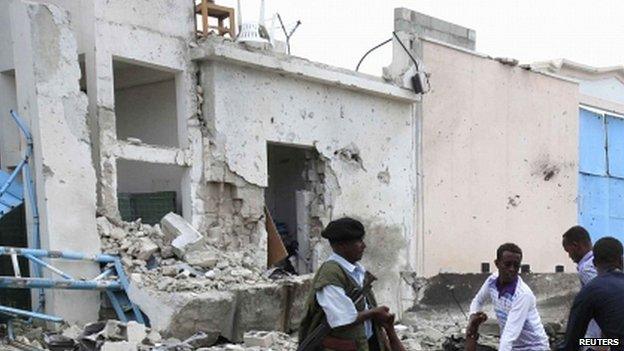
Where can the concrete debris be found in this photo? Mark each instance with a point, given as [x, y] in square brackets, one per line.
[136, 332]
[197, 265]
[507, 61]
[180, 232]
[119, 346]
[134, 141]
[258, 338]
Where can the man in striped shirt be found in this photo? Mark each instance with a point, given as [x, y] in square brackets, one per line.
[577, 243]
[514, 303]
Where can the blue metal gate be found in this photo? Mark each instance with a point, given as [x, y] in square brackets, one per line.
[601, 174]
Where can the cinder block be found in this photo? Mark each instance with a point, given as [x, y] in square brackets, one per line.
[135, 332]
[258, 339]
[119, 346]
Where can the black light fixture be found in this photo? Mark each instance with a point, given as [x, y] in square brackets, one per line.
[419, 79]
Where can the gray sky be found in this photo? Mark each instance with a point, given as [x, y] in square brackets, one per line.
[339, 32]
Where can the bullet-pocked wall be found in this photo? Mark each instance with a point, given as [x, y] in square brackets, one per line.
[100, 33]
[364, 134]
[500, 163]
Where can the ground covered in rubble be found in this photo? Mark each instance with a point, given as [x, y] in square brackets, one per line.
[196, 265]
[225, 302]
[116, 336]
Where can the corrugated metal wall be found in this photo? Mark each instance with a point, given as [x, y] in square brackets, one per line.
[601, 178]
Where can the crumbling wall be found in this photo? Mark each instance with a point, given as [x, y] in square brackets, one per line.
[128, 32]
[500, 162]
[49, 97]
[366, 141]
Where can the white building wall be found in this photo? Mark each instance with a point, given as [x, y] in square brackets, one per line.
[250, 105]
[500, 148]
[101, 30]
[610, 89]
[9, 132]
[148, 112]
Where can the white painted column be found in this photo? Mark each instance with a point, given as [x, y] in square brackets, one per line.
[49, 97]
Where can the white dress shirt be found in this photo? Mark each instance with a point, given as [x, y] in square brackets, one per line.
[338, 307]
[520, 324]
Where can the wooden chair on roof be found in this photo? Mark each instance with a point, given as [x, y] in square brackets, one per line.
[207, 9]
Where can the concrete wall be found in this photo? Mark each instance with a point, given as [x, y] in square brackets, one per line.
[42, 44]
[611, 89]
[365, 137]
[127, 32]
[9, 133]
[407, 20]
[500, 150]
[148, 112]
[49, 99]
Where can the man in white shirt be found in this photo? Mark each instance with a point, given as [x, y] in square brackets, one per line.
[514, 304]
[577, 243]
[356, 324]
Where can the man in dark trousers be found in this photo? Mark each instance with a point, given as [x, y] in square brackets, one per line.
[577, 243]
[355, 325]
[602, 299]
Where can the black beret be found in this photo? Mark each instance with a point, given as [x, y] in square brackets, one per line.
[343, 229]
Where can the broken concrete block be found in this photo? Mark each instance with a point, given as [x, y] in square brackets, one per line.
[112, 331]
[201, 339]
[261, 339]
[169, 271]
[119, 346]
[104, 227]
[180, 232]
[146, 249]
[241, 272]
[134, 141]
[73, 332]
[204, 259]
[117, 233]
[154, 337]
[199, 313]
[135, 332]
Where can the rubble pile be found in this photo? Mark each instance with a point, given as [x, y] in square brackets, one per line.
[173, 257]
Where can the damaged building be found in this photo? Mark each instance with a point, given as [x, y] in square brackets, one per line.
[183, 153]
[134, 118]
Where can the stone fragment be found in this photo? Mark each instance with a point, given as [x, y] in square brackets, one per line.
[135, 141]
[135, 332]
[204, 259]
[119, 346]
[241, 272]
[112, 331]
[117, 233]
[261, 339]
[154, 337]
[73, 332]
[211, 274]
[180, 232]
[169, 271]
[202, 339]
[104, 226]
[146, 249]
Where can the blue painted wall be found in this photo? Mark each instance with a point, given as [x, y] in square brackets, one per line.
[601, 178]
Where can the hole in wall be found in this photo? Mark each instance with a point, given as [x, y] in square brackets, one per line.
[145, 104]
[148, 190]
[292, 189]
